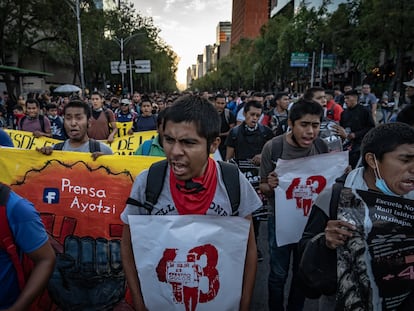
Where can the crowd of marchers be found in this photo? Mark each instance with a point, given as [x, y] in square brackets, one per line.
[260, 128]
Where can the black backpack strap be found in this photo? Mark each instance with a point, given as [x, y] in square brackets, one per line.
[59, 146]
[94, 145]
[155, 182]
[153, 187]
[277, 148]
[235, 132]
[42, 122]
[134, 202]
[22, 121]
[336, 193]
[230, 175]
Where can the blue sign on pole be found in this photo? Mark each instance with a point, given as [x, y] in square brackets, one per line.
[299, 59]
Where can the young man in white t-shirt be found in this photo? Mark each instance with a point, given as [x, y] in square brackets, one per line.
[193, 184]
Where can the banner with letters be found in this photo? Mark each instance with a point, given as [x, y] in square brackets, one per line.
[80, 201]
[123, 128]
[122, 145]
[250, 171]
[190, 262]
[376, 266]
[300, 182]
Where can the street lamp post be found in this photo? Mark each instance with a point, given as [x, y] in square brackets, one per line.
[122, 42]
[82, 73]
[76, 10]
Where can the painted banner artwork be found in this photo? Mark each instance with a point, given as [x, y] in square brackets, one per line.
[122, 145]
[376, 266]
[190, 262]
[79, 201]
[300, 182]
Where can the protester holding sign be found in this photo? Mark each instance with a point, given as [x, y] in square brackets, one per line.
[33, 121]
[246, 141]
[76, 122]
[388, 169]
[302, 141]
[193, 185]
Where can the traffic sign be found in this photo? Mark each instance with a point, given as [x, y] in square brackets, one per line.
[114, 67]
[143, 66]
[328, 61]
[299, 59]
[117, 67]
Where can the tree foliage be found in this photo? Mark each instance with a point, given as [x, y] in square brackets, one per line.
[51, 28]
[368, 37]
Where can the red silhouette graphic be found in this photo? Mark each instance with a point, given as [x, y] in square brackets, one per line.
[303, 193]
[185, 276]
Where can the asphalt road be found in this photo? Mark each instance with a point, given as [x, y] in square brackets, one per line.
[260, 294]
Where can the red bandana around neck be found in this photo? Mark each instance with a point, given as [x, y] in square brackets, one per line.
[194, 197]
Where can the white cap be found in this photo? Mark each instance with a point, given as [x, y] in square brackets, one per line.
[125, 101]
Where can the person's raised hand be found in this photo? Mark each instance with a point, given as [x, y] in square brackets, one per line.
[337, 232]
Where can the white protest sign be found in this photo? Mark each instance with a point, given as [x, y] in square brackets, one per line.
[300, 182]
[191, 262]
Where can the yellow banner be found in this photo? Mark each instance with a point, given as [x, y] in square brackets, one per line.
[71, 184]
[26, 140]
[124, 145]
[123, 128]
[80, 201]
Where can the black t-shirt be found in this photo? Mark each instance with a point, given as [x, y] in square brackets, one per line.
[358, 120]
[247, 143]
[226, 118]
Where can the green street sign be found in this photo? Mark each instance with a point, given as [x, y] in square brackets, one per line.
[299, 59]
[329, 61]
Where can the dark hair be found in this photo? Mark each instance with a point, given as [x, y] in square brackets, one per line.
[193, 108]
[351, 93]
[257, 94]
[51, 106]
[161, 116]
[32, 101]
[303, 107]
[78, 104]
[145, 98]
[280, 95]
[406, 115]
[311, 91]
[386, 138]
[219, 95]
[18, 107]
[97, 93]
[252, 103]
